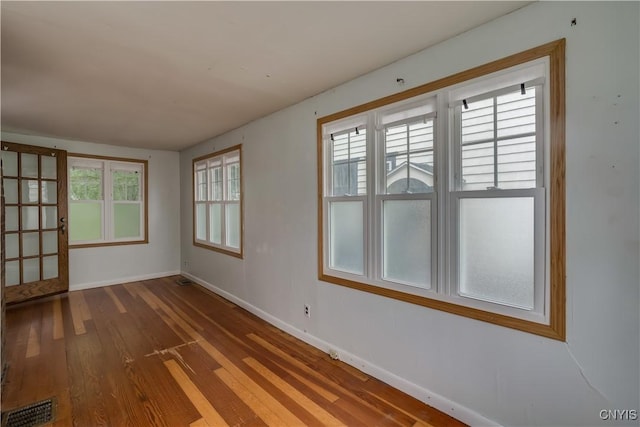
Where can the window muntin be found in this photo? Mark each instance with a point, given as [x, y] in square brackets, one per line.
[349, 162]
[498, 134]
[408, 156]
[107, 202]
[218, 201]
[511, 150]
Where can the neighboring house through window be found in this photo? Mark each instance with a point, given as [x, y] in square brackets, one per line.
[451, 195]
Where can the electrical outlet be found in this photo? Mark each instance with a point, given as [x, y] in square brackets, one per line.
[186, 263]
[307, 311]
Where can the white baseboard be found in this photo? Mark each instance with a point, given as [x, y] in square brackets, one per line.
[82, 286]
[441, 403]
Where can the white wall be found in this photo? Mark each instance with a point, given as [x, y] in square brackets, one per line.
[90, 267]
[478, 369]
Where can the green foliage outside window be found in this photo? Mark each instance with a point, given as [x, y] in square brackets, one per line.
[86, 184]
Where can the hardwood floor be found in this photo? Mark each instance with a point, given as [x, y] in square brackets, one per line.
[156, 353]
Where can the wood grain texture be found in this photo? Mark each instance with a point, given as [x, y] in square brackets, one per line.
[179, 356]
[39, 288]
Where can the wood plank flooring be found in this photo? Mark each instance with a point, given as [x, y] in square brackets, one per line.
[154, 353]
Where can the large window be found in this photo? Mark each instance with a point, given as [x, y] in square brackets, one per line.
[217, 201]
[451, 195]
[107, 201]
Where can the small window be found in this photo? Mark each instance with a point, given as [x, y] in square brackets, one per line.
[107, 201]
[217, 204]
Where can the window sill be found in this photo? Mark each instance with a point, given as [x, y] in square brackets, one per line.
[239, 255]
[97, 245]
[552, 330]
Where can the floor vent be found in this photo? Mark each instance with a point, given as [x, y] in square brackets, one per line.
[184, 282]
[32, 415]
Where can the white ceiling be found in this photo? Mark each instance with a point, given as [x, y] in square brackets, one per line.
[168, 75]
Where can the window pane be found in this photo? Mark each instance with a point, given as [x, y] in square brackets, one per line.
[201, 221]
[85, 221]
[11, 218]
[12, 247]
[477, 166]
[216, 183]
[29, 191]
[409, 157]
[49, 190]
[478, 121]
[49, 267]
[346, 238]
[517, 162]
[126, 220]
[49, 167]
[10, 190]
[126, 185]
[49, 217]
[496, 250]
[85, 183]
[9, 163]
[12, 273]
[516, 113]
[233, 181]
[201, 185]
[499, 142]
[407, 242]
[232, 219]
[49, 242]
[29, 165]
[30, 218]
[215, 223]
[30, 270]
[30, 244]
[348, 163]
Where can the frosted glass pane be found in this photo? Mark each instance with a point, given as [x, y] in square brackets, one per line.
[12, 273]
[30, 218]
[201, 221]
[85, 221]
[30, 244]
[407, 242]
[496, 250]
[49, 167]
[49, 217]
[11, 218]
[232, 219]
[49, 267]
[346, 238]
[49, 242]
[126, 220]
[49, 191]
[30, 270]
[12, 250]
[29, 165]
[10, 190]
[29, 191]
[215, 224]
[9, 163]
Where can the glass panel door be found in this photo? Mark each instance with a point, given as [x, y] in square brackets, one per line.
[35, 212]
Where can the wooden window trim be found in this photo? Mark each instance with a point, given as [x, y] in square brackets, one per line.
[145, 179]
[240, 253]
[556, 329]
